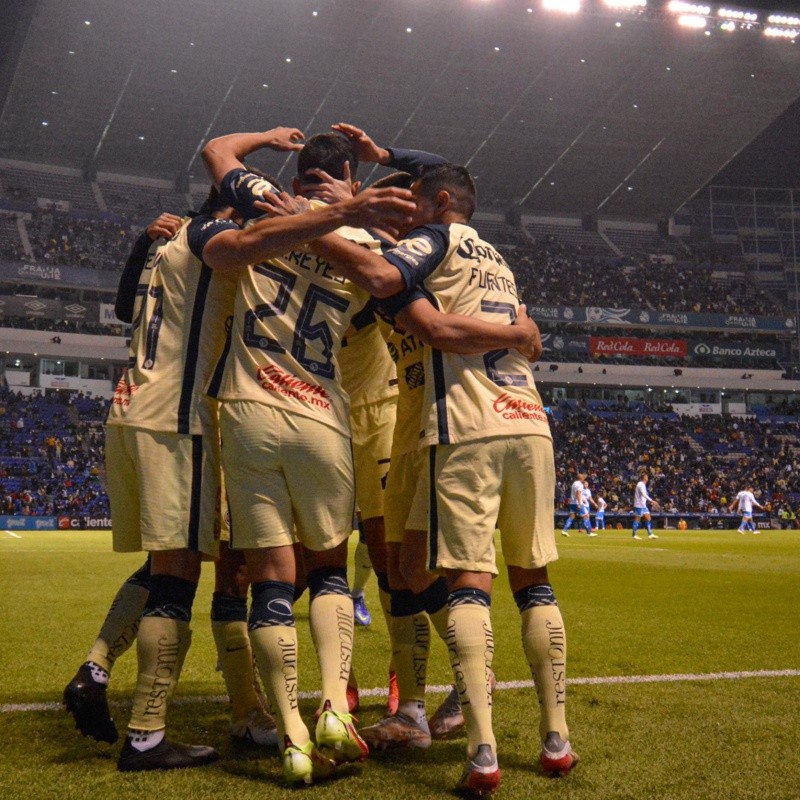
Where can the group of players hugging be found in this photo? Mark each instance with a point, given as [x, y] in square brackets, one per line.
[286, 351]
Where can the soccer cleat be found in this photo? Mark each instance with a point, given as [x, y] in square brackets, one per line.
[652, 536]
[85, 698]
[398, 731]
[337, 737]
[740, 530]
[591, 534]
[353, 701]
[557, 757]
[636, 536]
[564, 533]
[393, 700]
[360, 611]
[165, 755]
[305, 764]
[448, 718]
[257, 727]
[481, 774]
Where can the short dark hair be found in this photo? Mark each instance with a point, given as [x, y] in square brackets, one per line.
[329, 152]
[454, 179]
[399, 180]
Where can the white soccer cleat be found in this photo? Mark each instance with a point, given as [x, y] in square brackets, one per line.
[257, 727]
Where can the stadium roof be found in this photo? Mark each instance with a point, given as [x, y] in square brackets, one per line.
[559, 113]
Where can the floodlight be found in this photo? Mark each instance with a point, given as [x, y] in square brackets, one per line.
[680, 7]
[730, 13]
[692, 21]
[782, 19]
[625, 5]
[562, 6]
[783, 33]
[728, 25]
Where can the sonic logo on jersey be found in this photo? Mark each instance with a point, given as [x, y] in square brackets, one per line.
[274, 379]
[516, 408]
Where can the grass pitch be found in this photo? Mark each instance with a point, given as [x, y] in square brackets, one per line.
[690, 603]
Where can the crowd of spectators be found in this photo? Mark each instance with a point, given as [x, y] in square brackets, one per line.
[697, 464]
[60, 325]
[58, 237]
[51, 455]
[553, 273]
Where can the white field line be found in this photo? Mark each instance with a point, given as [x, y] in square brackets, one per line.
[11, 533]
[381, 691]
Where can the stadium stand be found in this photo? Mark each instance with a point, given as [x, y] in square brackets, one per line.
[11, 246]
[141, 201]
[25, 186]
[51, 454]
[697, 463]
[58, 237]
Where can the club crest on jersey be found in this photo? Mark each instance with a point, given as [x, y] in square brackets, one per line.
[415, 375]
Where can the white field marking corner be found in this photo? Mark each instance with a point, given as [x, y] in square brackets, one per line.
[11, 533]
[381, 691]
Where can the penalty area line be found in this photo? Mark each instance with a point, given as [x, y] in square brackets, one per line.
[381, 691]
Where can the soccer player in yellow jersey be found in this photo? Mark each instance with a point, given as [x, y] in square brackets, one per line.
[85, 695]
[286, 448]
[414, 602]
[155, 458]
[490, 463]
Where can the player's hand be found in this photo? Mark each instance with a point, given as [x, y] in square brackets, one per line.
[284, 139]
[380, 208]
[366, 148]
[165, 227]
[330, 189]
[282, 205]
[531, 343]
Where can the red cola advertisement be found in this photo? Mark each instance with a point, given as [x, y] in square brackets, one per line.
[626, 346]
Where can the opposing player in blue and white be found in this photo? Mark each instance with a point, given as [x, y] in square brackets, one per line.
[640, 510]
[600, 516]
[746, 500]
[587, 501]
[575, 501]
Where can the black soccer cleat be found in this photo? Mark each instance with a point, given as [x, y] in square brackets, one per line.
[86, 700]
[165, 755]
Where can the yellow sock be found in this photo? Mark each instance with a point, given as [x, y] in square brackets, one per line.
[161, 648]
[331, 619]
[235, 658]
[411, 639]
[120, 626]
[362, 569]
[386, 604]
[545, 643]
[275, 648]
[471, 649]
